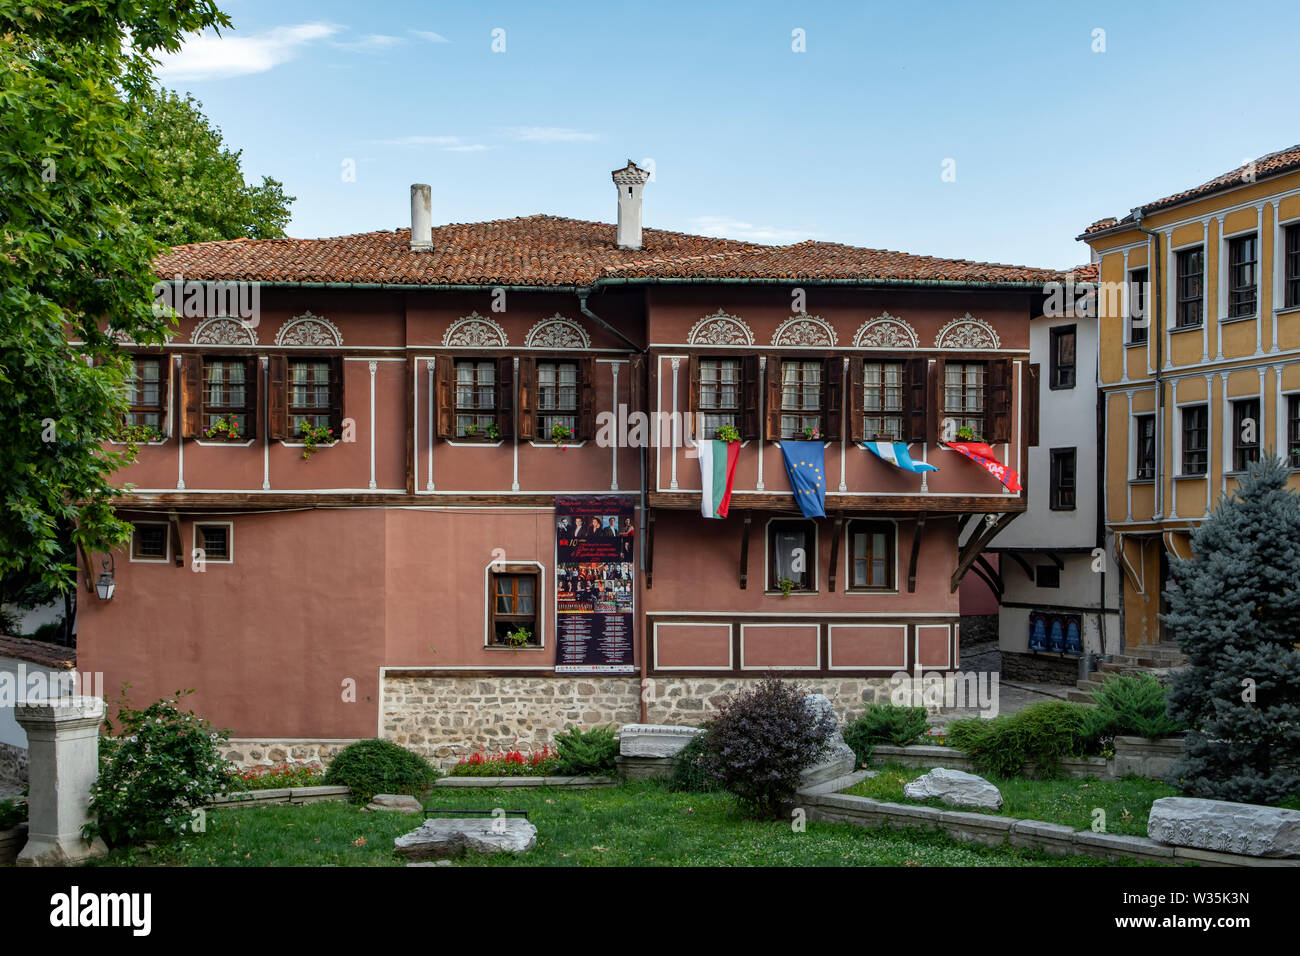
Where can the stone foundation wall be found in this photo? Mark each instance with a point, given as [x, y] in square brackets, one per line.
[13, 766]
[447, 717]
[264, 752]
[1040, 668]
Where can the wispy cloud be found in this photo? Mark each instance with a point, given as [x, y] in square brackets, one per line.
[207, 56]
[430, 36]
[449, 144]
[551, 134]
[371, 43]
[729, 228]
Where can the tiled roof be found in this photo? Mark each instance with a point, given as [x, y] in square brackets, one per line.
[53, 656]
[554, 251]
[1274, 164]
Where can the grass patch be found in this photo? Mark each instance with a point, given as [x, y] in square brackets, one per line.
[635, 824]
[1127, 802]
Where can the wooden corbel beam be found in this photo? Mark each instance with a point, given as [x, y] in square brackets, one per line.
[835, 551]
[991, 577]
[1055, 559]
[1024, 565]
[744, 551]
[916, 551]
[649, 549]
[174, 523]
[979, 540]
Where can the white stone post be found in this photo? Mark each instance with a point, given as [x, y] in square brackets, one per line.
[63, 757]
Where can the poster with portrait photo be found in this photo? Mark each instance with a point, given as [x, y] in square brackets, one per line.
[594, 585]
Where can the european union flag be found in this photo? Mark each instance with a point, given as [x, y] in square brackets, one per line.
[805, 463]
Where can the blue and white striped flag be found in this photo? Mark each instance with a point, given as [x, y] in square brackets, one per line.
[896, 454]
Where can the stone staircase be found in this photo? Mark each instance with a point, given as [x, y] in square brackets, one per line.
[1157, 659]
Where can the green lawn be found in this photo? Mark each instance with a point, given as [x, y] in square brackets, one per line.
[635, 824]
[1127, 802]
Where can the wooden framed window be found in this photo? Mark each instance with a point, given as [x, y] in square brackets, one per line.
[229, 392]
[551, 391]
[215, 539]
[805, 393]
[1195, 439]
[724, 391]
[1064, 461]
[1245, 433]
[1292, 266]
[1293, 430]
[1190, 287]
[1243, 266]
[872, 556]
[513, 603]
[883, 387]
[1144, 465]
[557, 397]
[1139, 321]
[801, 398]
[146, 392]
[792, 554]
[306, 389]
[150, 542]
[1062, 366]
[963, 394]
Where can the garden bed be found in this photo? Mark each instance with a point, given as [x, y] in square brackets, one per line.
[506, 783]
[1143, 756]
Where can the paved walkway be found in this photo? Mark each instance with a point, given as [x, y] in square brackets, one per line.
[1012, 695]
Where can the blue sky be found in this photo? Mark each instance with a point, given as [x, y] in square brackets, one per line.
[845, 142]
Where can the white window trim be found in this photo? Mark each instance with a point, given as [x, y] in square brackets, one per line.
[814, 557]
[1224, 267]
[1128, 307]
[543, 609]
[1134, 436]
[848, 558]
[230, 542]
[130, 551]
[1178, 439]
[1230, 435]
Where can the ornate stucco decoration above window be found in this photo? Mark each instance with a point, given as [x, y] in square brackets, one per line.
[886, 331]
[475, 331]
[311, 330]
[720, 329]
[967, 332]
[223, 330]
[557, 332]
[800, 331]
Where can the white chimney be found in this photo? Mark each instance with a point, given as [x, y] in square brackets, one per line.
[421, 217]
[629, 181]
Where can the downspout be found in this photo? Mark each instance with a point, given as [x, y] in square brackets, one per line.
[641, 511]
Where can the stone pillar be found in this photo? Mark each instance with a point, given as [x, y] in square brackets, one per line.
[63, 762]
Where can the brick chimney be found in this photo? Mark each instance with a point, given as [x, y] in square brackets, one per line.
[629, 181]
[421, 218]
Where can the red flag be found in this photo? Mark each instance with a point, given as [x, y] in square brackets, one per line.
[982, 454]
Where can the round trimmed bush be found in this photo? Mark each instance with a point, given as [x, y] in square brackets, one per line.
[368, 767]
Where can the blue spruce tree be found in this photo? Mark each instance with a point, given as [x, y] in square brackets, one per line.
[1234, 608]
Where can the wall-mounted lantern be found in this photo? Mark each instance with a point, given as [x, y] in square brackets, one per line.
[105, 586]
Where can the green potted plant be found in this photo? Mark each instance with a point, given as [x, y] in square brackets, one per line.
[561, 433]
[966, 433]
[786, 585]
[493, 433]
[728, 433]
[138, 434]
[224, 428]
[519, 637]
[471, 431]
[313, 436]
[812, 433]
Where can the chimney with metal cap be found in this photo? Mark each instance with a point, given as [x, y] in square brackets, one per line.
[629, 181]
[421, 217]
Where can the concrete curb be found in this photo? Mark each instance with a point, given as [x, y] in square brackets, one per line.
[269, 798]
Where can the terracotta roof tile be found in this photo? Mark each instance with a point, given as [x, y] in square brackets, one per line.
[53, 656]
[554, 251]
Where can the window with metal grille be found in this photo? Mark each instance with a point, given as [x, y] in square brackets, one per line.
[1144, 466]
[963, 394]
[1190, 287]
[1245, 433]
[882, 401]
[512, 606]
[309, 394]
[145, 395]
[719, 398]
[1138, 281]
[1064, 461]
[801, 397]
[557, 397]
[476, 397]
[214, 539]
[149, 541]
[1195, 439]
[871, 556]
[227, 393]
[1243, 261]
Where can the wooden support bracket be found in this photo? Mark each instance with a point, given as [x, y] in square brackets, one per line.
[744, 552]
[916, 551]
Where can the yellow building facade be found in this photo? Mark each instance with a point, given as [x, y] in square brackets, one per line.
[1199, 367]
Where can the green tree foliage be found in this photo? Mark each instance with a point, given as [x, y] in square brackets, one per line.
[73, 164]
[201, 195]
[1233, 609]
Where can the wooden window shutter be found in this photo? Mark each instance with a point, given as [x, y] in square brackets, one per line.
[832, 398]
[749, 397]
[1031, 404]
[693, 396]
[191, 396]
[506, 396]
[164, 392]
[253, 380]
[915, 428]
[526, 423]
[773, 398]
[445, 395]
[934, 396]
[856, 410]
[336, 395]
[586, 398]
[997, 402]
[277, 414]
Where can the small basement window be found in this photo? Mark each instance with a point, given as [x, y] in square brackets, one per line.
[150, 542]
[215, 542]
[1048, 576]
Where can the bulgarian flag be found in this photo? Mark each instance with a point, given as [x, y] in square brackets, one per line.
[717, 475]
[982, 454]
